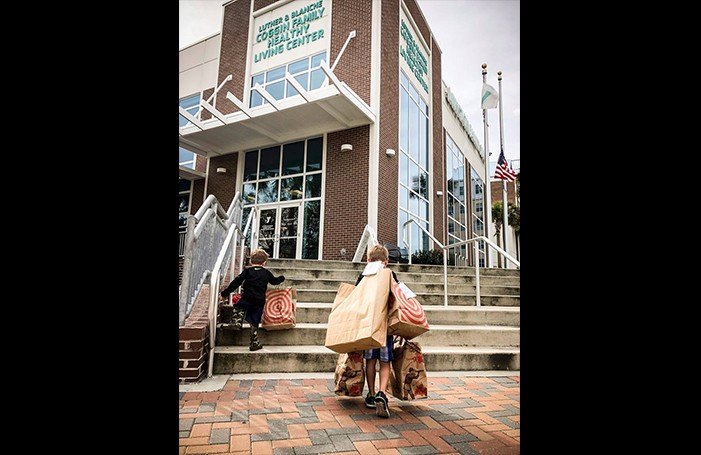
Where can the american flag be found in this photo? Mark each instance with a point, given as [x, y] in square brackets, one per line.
[503, 170]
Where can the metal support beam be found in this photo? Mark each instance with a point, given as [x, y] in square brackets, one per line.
[212, 110]
[190, 118]
[297, 86]
[268, 97]
[230, 96]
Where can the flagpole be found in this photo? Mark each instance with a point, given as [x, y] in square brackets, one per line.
[505, 223]
[487, 186]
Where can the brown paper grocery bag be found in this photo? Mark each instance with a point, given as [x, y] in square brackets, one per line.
[359, 321]
[406, 315]
[350, 374]
[409, 371]
[280, 309]
[343, 291]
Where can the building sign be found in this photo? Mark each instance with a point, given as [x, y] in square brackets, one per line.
[294, 30]
[413, 53]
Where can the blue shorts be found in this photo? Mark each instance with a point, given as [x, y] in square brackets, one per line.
[385, 354]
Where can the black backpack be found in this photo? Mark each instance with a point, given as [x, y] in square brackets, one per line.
[395, 254]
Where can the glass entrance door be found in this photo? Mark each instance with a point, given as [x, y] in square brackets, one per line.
[279, 231]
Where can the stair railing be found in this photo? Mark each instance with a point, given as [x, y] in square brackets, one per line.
[227, 259]
[474, 241]
[367, 240]
[205, 235]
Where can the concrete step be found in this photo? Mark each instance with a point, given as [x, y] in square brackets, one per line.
[349, 276]
[359, 266]
[272, 359]
[314, 283]
[310, 312]
[439, 335]
[435, 298]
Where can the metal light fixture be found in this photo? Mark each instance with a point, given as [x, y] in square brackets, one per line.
[346, 148]
[390, 152]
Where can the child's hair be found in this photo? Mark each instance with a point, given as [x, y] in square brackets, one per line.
[378, 253]
[258, 256]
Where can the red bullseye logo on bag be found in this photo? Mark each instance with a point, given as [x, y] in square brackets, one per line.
[279, 310]
[411, 309]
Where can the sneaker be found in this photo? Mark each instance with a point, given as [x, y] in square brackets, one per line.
[255, 345]
[382, 404]
[370, 401]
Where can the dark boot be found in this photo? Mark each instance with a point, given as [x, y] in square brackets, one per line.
[255, 344]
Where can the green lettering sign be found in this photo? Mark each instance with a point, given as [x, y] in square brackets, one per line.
[289, 31]
[414, 58]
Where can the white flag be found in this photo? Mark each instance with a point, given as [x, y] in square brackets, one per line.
[490, 97]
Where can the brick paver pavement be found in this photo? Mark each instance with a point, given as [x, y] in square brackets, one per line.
[466, 415]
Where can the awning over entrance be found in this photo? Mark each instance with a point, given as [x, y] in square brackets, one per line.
[332, 107]
[189, 174]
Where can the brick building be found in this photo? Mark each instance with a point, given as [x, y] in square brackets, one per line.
[328, 115]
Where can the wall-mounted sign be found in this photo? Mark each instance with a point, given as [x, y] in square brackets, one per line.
[294, 30]
[414, 54]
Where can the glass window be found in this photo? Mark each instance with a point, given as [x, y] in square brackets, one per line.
[318, 58]
[414, 176]
[414, 131]
[303, 80]
[259, 79]
[403, 197]
[423, 141]
[276, 90]
[256, 99]
[269, 162]
[313, 186]
[310, 237]
[413, 93]
[184, 204]
[404, 121]
[273, 75]
[182, 221]
[314, 149]
[250, 167]
[249, 193]
[292, 158]
[413, 158]
[291, 188]
[423, 185]
[298, 66]
[267, 191]
[318, 77]
[183, 185]
[191, 104]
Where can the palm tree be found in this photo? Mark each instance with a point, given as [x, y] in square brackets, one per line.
[514, 221]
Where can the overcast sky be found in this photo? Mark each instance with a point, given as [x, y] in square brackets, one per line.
[469, 33]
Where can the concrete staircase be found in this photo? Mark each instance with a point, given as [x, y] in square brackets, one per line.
[462, 336]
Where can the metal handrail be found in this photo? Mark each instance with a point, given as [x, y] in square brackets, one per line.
[205, 233]
[227, 254]
[368, 238]
[445, 248]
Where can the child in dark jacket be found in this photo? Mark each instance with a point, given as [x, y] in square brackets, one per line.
[255, 281]
[377, 259]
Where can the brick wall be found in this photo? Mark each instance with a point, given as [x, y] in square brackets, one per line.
[439, 202]
[205, 95]
[420, 22]
[258, 4]
[223, 186]
[197, 196]
[181, 259]
[389, 123]
[232, 58]
[496, 194]
[354, 66]
[345, 211]
[193, 341]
